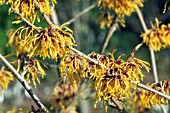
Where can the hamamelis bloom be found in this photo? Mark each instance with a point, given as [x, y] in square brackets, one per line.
[158, 37]
[63, 94]
[148, 99]
[73, 66]
[19, 39]
[106, 20]
[48, 42]
[28, 8]
[113, 80]
[33, 70]
[121, 7]
[45, 6]
[5, 78]
[52, 43]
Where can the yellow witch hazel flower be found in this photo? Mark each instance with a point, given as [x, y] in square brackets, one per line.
[106, 20]
[5, 78]
[121, 7]
[110, 79]
[52, 43]
[28, 8]
[47, 43]
[73, 66]
[19, 39]
[158, 37]
[144, 99]
[63, 95]
[33, 69]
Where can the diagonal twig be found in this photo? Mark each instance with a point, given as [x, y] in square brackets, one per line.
[110, 32]
[139, 13]
[81, 13]
[24, 84]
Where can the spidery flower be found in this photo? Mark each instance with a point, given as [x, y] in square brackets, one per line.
[121, 7]
[148, 99]
[21, 39]
[113, 80]
[5, 78]
[48, 42]
[106, 20]
[158, 37]
[28, 8]
[52, 43]
[73, 66]
[34, 68]
[63, 95]
[110, 79]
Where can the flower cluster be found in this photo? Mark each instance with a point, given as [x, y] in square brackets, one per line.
[106, 20]
[158, 37]
[48, 42]
[111, 79]
[121, 7]
[29, 9]
[34, 68]
[73, 66]
[63, 95]
[149, 99]
[5, 78]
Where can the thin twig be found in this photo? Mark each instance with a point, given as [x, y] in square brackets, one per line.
[45, 16]
[24, 84]
[110, 32]
[136, 49]
[54, 16]
[81, 13]
[24, 19]
[139, 13]
[151, 50]
[150, 89]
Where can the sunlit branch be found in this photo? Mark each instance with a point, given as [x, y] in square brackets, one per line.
[136, 49]
[54, 17]
[24, 19]
[45, 16]
[151, 50]
[24, 83]
[81, 13]
[139, 13]
[110, 32]
[150, 89]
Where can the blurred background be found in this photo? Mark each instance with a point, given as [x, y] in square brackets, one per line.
[89, 37]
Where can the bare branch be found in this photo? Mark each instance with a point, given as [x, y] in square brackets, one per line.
[151, 50]
[81, 13]
[110, 32]
[24, 83]
[24, 19]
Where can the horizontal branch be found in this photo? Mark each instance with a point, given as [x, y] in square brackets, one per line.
[24, 84]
